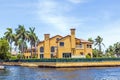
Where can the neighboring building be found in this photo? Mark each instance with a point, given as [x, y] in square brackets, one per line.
[63, 47]
[30, 53]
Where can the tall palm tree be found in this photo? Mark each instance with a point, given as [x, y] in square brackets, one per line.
[110, 51]
[15, 41]
[32, 38]
[117, 49]
[114, 49]
[21, 46]
[22, 35]
[91, 40]
[9, 36]
[99, 42]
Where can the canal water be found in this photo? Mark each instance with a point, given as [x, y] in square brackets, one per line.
[25, 73]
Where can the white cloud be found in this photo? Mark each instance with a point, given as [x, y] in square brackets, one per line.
[54, 13]
[110, 33]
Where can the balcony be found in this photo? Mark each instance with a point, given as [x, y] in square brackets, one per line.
[79, 46]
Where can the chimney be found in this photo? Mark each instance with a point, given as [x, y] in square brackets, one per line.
[72, 38]
[46, 36]
[72, 31]
[47, 46]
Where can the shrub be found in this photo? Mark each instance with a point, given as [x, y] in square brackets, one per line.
[88, 56]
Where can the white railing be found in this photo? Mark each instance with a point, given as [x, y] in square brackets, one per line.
[79, 46]
[41, 52]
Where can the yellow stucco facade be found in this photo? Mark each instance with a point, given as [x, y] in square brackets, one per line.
[63, 47]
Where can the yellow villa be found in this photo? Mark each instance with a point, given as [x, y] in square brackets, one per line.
[62, 47]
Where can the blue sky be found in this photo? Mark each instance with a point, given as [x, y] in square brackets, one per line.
[90, 17]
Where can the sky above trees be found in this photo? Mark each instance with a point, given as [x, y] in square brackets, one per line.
[90, 17]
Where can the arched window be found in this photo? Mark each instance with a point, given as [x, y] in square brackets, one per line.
[52, 49]
[81, 53]
[41, 49]
[57, 39]
[89, 54]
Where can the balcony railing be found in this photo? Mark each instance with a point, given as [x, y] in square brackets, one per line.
[79, 46]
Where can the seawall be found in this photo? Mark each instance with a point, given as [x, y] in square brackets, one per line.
[65, 64]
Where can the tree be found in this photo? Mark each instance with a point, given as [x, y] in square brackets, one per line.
[117, 49]
[95, 52]
[113, 50]
[21, 45]
[91, 40]
[16, 40]
[9, 36]
[4, 49]
[21, 34]
[32, 38]
[110, 51]
[99, 43]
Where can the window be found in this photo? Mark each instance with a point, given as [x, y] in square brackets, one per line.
[89, 46]
[80, 45]
[81, 53]
[41, 55]
[57, 39]
[52, 56]
[66, 55]
[61, 43]
[52, 49]
[41, 49]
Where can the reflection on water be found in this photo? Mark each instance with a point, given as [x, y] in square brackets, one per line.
[25, 73]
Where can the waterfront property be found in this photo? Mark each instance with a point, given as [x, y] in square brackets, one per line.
[61, 47]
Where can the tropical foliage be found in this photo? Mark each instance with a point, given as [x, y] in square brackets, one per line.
[9, 36]
[98, 43]
[113, 50]
[32, 39]
[21, 38]
[4, 50]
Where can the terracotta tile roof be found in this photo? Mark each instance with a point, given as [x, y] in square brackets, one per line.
[85, 41]
[49, 39]
[81, 40]
[64, 37]
[55, 36]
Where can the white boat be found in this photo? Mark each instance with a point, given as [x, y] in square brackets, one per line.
[2, 67]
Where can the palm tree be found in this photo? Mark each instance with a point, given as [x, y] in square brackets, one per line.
[32, 38]
[21, 34]
[110, 51]
[114, 50]
[117, 49]
[21, 46]
[99, 42]
[15, 41]
[9, 36]
[91, 40]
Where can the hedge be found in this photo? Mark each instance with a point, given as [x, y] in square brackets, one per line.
[67, 60]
